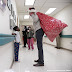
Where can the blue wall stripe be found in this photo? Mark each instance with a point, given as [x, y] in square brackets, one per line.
[6, 35]
[4, 39]
[64, 36]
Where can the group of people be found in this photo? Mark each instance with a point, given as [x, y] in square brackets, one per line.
[28, 35]
[39, 35]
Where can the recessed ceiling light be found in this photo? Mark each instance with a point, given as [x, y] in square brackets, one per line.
[1, 2]
[29, 2]
[26, 16]
[27, 71]
[50, 10]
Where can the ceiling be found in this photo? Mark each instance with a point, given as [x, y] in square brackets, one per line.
[41, 6]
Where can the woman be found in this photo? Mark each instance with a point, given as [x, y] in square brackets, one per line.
[30, 34]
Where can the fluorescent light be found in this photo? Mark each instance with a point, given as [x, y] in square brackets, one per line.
[26, 16]
[27, 71]
[29, 2]
[50, 10]
[1, 2]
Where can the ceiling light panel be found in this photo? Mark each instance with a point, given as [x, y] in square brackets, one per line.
[50, 10]
[29, 2]
[26, 16]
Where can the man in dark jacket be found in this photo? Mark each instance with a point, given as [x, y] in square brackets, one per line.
[25, 35]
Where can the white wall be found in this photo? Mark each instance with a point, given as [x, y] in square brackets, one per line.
[66, 43]
[64, 15]
[46, 40]
[6, 56]
[4, 22]
[4, 19]
[6, 51]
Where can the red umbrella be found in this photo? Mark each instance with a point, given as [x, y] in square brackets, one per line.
[52, 27]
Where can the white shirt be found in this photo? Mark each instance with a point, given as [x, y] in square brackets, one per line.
[17, 37]
[36, 22]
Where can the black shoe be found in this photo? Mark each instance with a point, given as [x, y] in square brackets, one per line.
[24, 46]
[38, 64]
[16, 60]
[36, 61]
[57, 47]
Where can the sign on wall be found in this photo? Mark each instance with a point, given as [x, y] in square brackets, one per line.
[3, 4]
[9, 4]
[12, 23]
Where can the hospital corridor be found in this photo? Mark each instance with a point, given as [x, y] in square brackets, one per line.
[35, 35]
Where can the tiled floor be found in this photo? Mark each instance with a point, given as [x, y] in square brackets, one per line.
[56, 60]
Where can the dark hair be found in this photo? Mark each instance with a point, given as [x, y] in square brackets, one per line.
[25, 27]
[29, 27]
[15, 28]
[32, 8]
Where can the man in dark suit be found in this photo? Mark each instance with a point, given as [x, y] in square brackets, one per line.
[25, 35]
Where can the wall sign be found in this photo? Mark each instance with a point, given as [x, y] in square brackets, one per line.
[12, 23]
[11, 10]
[9, 4]
[3, 4]
[15, 18]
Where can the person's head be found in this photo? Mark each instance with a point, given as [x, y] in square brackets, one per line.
[25, 27]
[32, 11]
[29, 27]
[16, 28]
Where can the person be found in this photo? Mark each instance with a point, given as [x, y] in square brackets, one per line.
[17, 41]
[25, 35]
[45, 24]
[58, 42]
[30, 34]
[39, 36]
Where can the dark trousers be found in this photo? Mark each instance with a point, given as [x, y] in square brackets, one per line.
[16, 50]
[25, 40]
[39, 37]
[58, 41]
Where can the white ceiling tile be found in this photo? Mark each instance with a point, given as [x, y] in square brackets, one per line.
[41, 6]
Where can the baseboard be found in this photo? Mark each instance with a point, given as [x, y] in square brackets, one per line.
[48, 44]
[11, 64]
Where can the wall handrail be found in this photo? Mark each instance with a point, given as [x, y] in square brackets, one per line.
[6, 38]
[64, 36]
